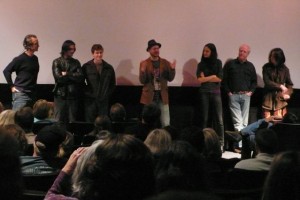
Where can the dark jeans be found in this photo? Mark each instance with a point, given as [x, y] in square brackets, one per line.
[211, 108]
[65, 110]
[94, 108]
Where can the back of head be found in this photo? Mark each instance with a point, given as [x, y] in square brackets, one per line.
[7, 117]
[283, 181]
[117, 112]
[173, 131]
[266, 141]
[158, 140]
[183, 195]
[118, 167]
[10, 167]
[49, 140]
[290, 118]
[181, 167]
[41, 109]
[151, 114]
[19, 134]
[194, 136]
[24, 118]
[102, 122]
[212, 146]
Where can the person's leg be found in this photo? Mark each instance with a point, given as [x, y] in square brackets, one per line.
[90, 110]
[19, 100]
[217, 105]
[235, 110]
[73, 109]
[204, 107]
[60, 110]
[102, 107]
[245, 107]
[165, 114]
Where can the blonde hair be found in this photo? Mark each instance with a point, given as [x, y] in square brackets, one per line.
[158, 140]
[7, 117]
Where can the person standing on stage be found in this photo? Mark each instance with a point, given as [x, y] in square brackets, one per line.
[155, 73]
[240, 81]
[209, 74]
[26, 66]
[100, 81]
[68, 81]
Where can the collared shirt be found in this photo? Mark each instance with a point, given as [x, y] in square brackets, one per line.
[239, 76]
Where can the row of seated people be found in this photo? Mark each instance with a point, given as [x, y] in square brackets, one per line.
[120, 166]
[193, 135]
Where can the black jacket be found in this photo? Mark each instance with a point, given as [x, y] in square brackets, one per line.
[68, 86]
[99, 86]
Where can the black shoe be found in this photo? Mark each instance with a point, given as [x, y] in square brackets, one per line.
[234, 135]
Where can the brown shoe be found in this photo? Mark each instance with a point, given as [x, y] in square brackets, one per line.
[234, 135]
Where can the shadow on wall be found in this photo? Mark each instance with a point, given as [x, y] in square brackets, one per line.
[124, 75]
[189, 73]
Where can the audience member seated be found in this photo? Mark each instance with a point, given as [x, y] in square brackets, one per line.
[119, 122]
[24, 118]
[283, 181]
[150, 121]
[45, 158]
[7, 117]
[43, 112]
[117, 167]
[212, 146]
[248, 133]
[117, 113]
[101, 123]
[157, 141]
[194, 136]
[266, 144]
[19, 134]
[10, 170]
[181, 167]
[173, 131]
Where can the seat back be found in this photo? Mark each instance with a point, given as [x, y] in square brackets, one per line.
[288, 136]
[39, 182]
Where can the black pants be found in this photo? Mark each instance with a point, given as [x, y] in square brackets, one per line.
[65, 110]
[94, 108]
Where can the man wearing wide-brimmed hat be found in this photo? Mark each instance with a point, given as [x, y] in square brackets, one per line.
[155, 72]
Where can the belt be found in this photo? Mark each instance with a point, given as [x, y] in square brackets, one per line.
[240, 92]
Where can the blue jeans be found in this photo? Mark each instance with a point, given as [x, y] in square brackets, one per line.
[21, 99]
[211, 103]
[239, 105]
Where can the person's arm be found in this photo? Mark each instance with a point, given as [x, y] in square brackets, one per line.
[144, 75]
[11, 67]
[169, 72]
[76, 76]
[267, 77]
[112, 84]
[58, 74]
[64, 177]
[253, 79]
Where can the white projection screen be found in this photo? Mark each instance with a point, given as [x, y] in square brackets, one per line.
[124, 27]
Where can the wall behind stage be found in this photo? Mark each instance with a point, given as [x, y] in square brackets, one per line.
[123, 27]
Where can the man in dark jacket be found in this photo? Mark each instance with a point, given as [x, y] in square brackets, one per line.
[68, 80]
[100, 83]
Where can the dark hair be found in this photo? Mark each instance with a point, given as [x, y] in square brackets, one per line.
[183, 195]
[96, 47]
[24, 118]
[151, 114]
[213, 56]
[117, 112]
[66, 46]
[19, 134]
[266, 140]
[10, 167]
[278, 56]
[27, 42]
[181, 167]
[118, 167]
[290, 118]
[173, 131]
[283, 180]
[41, 109]
[194, 136]
[102, 122]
